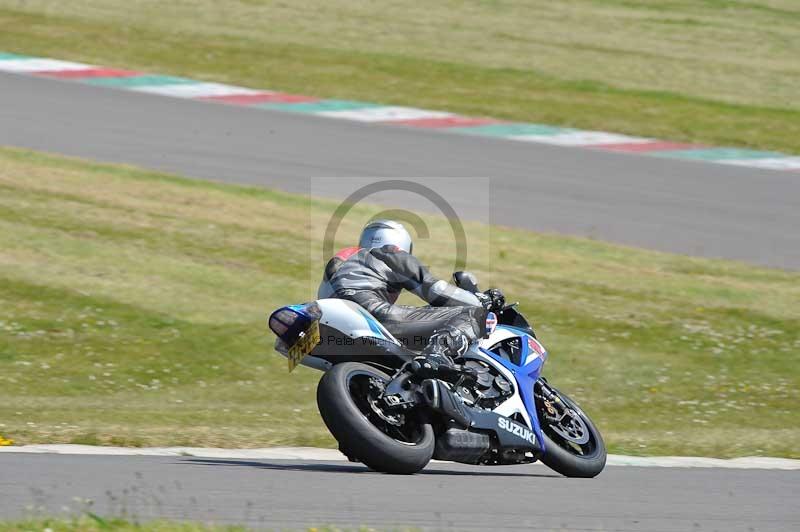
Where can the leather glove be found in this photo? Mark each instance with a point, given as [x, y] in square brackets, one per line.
[492, 299]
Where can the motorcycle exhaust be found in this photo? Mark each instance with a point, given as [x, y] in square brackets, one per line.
[510, 435]
[442, 400]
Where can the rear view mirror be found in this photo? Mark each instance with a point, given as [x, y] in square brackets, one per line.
[466, 280]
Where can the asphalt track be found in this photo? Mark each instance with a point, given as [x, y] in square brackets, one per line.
[687, 207]
[680, 206]
[282, 494]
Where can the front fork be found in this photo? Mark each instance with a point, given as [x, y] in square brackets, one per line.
[554, 408]
[560, 416]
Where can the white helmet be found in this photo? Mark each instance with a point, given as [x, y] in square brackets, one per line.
[379, 233]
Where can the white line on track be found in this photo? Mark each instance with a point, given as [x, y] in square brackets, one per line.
[196, 90]
[40, 65]
[385, 114]
[582, 138]
[313, 453]
[775, 163]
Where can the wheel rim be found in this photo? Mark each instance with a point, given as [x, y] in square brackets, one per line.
[364, 388]
[572, 429]
[572, 432]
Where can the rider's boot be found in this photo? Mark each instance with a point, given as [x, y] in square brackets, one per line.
[436, 360]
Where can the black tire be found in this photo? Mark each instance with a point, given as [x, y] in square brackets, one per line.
[564, 458]
[347, 419]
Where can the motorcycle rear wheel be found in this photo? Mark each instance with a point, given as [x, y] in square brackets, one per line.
[585, 460]
[386, 442]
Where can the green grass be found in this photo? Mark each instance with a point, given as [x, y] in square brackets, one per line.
[714, 71]
[94, 523]
[133, 306]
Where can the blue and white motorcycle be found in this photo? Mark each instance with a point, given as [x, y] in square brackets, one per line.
[494, 409]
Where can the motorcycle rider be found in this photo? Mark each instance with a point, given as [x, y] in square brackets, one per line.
[373, 275]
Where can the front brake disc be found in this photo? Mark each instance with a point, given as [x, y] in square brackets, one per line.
[572, 428]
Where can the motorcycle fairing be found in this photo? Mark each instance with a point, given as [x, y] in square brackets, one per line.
[523, 375]
[290, 321]
[297, 328]
[349, 319]
[345, 328]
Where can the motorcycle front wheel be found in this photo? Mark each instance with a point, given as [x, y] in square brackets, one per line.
[573, 445]
[348, 400]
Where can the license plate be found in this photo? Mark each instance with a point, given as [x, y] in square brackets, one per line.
[304, 345]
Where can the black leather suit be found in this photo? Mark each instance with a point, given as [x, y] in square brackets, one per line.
[374, 278]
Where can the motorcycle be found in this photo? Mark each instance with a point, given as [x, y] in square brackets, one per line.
[493, 408]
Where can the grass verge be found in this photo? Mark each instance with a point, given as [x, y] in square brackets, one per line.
[133, 305]
[94, 523]
[706, 72]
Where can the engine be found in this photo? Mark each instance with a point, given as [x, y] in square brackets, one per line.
[490, 390]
